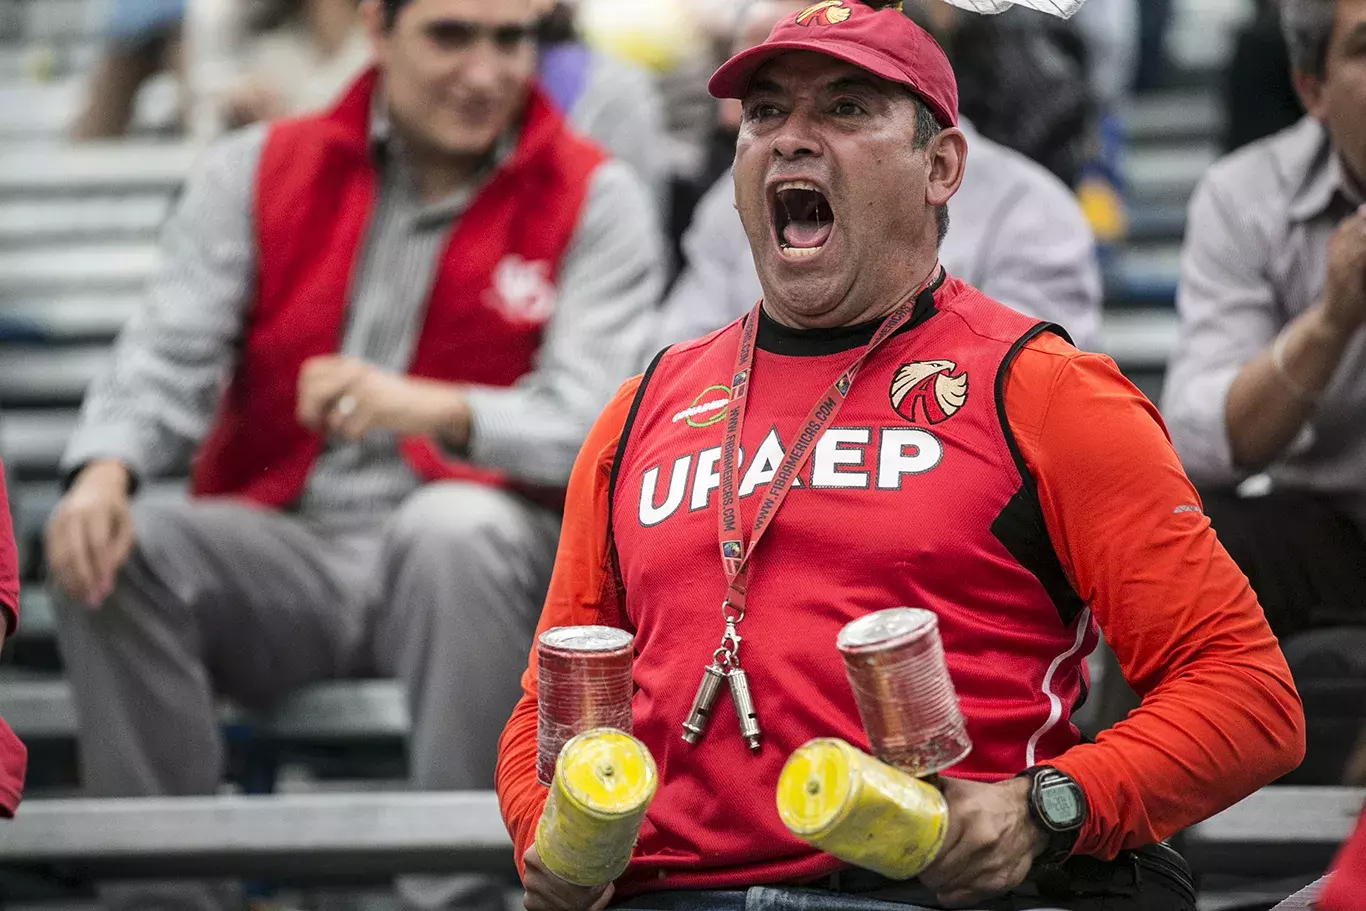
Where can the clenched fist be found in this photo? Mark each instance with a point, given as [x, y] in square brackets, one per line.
[991, 843]
[547, 892]
[1344, 294]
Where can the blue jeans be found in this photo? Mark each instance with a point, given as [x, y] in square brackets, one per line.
[762, 898]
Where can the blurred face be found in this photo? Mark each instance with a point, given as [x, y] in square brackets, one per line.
[456, 72]
[837, 202]
[1339, 99]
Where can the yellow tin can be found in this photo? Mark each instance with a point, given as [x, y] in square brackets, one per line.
[604, 781]
[848, 804]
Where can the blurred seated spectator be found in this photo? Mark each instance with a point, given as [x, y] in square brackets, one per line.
[1015, 232]
[265, 59]
[1023, 81]
[142, 38]
[13, 755]
[1259, 98]
[386, 330]
[612, 102]
[1268, 372]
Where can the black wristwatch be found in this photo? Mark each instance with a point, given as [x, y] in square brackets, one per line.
[1058, 807]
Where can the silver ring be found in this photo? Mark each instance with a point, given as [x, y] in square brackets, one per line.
[346, 405]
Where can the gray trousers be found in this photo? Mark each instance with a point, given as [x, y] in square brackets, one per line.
[224, 598]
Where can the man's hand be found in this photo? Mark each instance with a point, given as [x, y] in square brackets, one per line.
[1344, 295]
[350, 397]
[547, 892]
[991, 842]
[91, 532]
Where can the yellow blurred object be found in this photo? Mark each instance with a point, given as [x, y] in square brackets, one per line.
[40, 63]
[604, 781]
[655, 34]
[861, 810]
[1104, 210]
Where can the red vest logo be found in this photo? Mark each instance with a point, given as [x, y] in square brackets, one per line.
[522, 290]
[827, 12]
[709, 407]
[927, 392]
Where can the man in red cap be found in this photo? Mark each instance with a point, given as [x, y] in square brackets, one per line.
[876, 433]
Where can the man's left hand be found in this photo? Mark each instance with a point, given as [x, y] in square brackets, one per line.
[991, 842]
[350, 397]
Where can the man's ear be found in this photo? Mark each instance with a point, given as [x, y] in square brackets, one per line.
[947, 157]
[1310, 90]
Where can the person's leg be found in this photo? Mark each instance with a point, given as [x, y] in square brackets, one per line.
[1305, 559]
[215, 597]
[112, 87]
[465, 570]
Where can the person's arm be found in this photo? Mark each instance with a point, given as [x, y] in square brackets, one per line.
[9, 568]
[156, 398]
[1041, 260]
[718, 283]
[621, 110]
[1229, 317]
[1271, 397]
[1219, 716]
[609, 284]
[582, 591]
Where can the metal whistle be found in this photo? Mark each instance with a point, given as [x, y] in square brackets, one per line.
[744, 707]
[700, 713]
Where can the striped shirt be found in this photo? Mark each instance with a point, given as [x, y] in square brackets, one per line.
[156, 400]
[1255, 258]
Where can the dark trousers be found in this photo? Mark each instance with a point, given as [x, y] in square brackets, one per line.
[1306, 561]
[1151, 879]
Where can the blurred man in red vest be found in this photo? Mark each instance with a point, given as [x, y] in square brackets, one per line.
[877, 433]
[386, 330]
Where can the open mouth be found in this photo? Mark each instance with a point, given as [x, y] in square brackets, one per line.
[802, 218]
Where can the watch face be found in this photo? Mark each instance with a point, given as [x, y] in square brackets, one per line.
[1060, 804]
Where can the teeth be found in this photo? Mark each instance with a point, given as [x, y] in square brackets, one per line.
[797, 185]
[800, 252]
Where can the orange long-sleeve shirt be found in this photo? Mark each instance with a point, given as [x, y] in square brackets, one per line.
[1220, 716]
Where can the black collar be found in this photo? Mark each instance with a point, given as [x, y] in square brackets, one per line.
[776, 338]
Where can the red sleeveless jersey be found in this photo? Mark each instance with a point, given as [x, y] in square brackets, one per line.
[915, 496]
[491, 296]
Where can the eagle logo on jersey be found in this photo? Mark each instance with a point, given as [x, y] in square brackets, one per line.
[827, 12]
[927, 392]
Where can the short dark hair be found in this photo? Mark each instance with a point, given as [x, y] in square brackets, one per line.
[927, 126]
[1308, 29]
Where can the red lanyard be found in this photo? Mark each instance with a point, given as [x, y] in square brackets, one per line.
[735, 555]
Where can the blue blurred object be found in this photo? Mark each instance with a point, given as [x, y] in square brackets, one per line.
[136, 22]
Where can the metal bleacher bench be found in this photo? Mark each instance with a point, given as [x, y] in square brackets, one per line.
[288, 839]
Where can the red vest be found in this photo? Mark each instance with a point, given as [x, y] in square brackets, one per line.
[492, 294]
[913, 497]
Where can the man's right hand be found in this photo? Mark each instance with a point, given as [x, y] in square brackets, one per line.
[1344, 294]
[547, 892]
[91, 532]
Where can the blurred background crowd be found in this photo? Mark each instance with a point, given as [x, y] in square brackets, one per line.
[1091, 137]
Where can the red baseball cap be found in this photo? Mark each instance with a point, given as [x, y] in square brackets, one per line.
[884, 42]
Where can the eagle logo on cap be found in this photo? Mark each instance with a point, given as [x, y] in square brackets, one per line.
[827, 12]
[928, 392]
